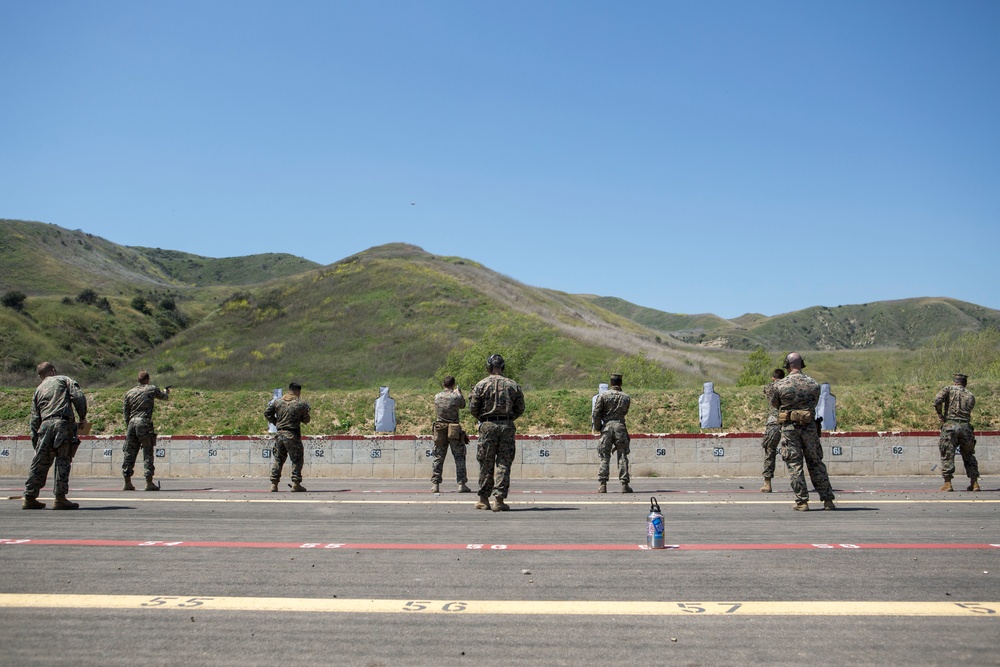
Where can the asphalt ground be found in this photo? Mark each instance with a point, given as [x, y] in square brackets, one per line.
[382, 572]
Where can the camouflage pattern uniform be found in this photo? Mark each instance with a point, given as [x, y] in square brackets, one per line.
[496, 402]
[800, 442]
[447, 431]
[53, 433]
[772, 433]
[955, 404]
[610, 409]
[287, 414]
[137, 407]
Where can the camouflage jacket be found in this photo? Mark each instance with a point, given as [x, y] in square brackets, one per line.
[447, 403]
[955, 402]
[772, 411]
[138, 402]
[496, 396]
[612, 405]
[56, 397]
[797, 391]
[287, 413]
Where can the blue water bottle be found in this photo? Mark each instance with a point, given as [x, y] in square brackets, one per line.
[654, 526]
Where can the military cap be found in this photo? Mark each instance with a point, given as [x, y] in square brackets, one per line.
[616, 378]
[961, 377]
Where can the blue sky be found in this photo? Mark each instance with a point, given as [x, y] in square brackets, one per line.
[722, 157]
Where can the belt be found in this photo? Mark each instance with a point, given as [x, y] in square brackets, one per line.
[59, 417]
[496, 418]
[958, 421]
[445, 421]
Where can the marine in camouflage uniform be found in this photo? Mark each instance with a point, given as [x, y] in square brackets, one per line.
[448, 433]
[137, 407]
[53, 435]
[610, 409]
[772, 432]
[954, 406]
[796, 397]
[496, 401]
[287, 414]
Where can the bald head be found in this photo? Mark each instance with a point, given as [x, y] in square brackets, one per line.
[794, 362]
[45, 369]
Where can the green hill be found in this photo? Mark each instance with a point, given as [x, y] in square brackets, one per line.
[398, 315]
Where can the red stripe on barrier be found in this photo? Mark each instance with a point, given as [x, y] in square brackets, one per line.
[478, 547]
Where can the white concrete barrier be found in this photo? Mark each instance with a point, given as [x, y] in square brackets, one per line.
[538, 456]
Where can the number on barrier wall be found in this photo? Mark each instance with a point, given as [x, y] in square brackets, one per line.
[160, 452]
[661, 452]
[213, 452]
[836, 451]
[107, 453]
[718, 451]
[319, 453]
[543, 453]
[4, 453]
[428, 454]
[265, 453]
[897, 450]
[376, 453]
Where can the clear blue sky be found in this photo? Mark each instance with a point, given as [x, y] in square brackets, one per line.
[726, 157]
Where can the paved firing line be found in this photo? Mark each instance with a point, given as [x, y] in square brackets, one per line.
[187, 604]
[512, 503]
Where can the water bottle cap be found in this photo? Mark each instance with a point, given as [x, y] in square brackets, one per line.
[653, 505]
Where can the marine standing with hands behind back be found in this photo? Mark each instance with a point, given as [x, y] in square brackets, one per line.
[137, 407]
[448, 432]
[496, 402]
[796, 397]
[53, 436]
[287, 414]
[954, 406]
[609, 413]
[772, 432]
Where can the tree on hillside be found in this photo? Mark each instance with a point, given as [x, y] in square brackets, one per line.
[14, 300]
[638, 372]
[139, 303]
[87, 296]
[757, 369]
[516, 343]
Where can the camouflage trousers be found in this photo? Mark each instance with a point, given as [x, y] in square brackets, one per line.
[772, 436]
[287, 445]
[448, 435]
[955, 435]
[54, 445]
[495, 450]
[614, 437]
[801, 444]
[140, 435]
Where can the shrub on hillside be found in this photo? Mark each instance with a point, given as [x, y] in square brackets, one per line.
[14, 300]
[87, 296]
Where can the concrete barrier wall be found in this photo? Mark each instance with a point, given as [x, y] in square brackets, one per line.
[538, 456]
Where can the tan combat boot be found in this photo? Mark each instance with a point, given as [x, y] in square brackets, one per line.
[128, 485]
[483, 504]
[498, 505]
[974, 484]
[151, 485]
[947, 485]
[626, 488]
[603, 488]
[766, 488]
[801, 507]
[62, 504]
[464, 488]
[828, 505]
[274, 487]
[435, 488]
[32, 504]
[296, 487]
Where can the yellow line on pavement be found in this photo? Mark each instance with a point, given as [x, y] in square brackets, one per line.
[511, 500]
[506, 607]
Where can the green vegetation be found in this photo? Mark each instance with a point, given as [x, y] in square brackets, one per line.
[191, 411]
[757, 370]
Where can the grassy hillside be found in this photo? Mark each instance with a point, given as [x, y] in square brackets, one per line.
[399, 315]
[192, 411]
[203, 271]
